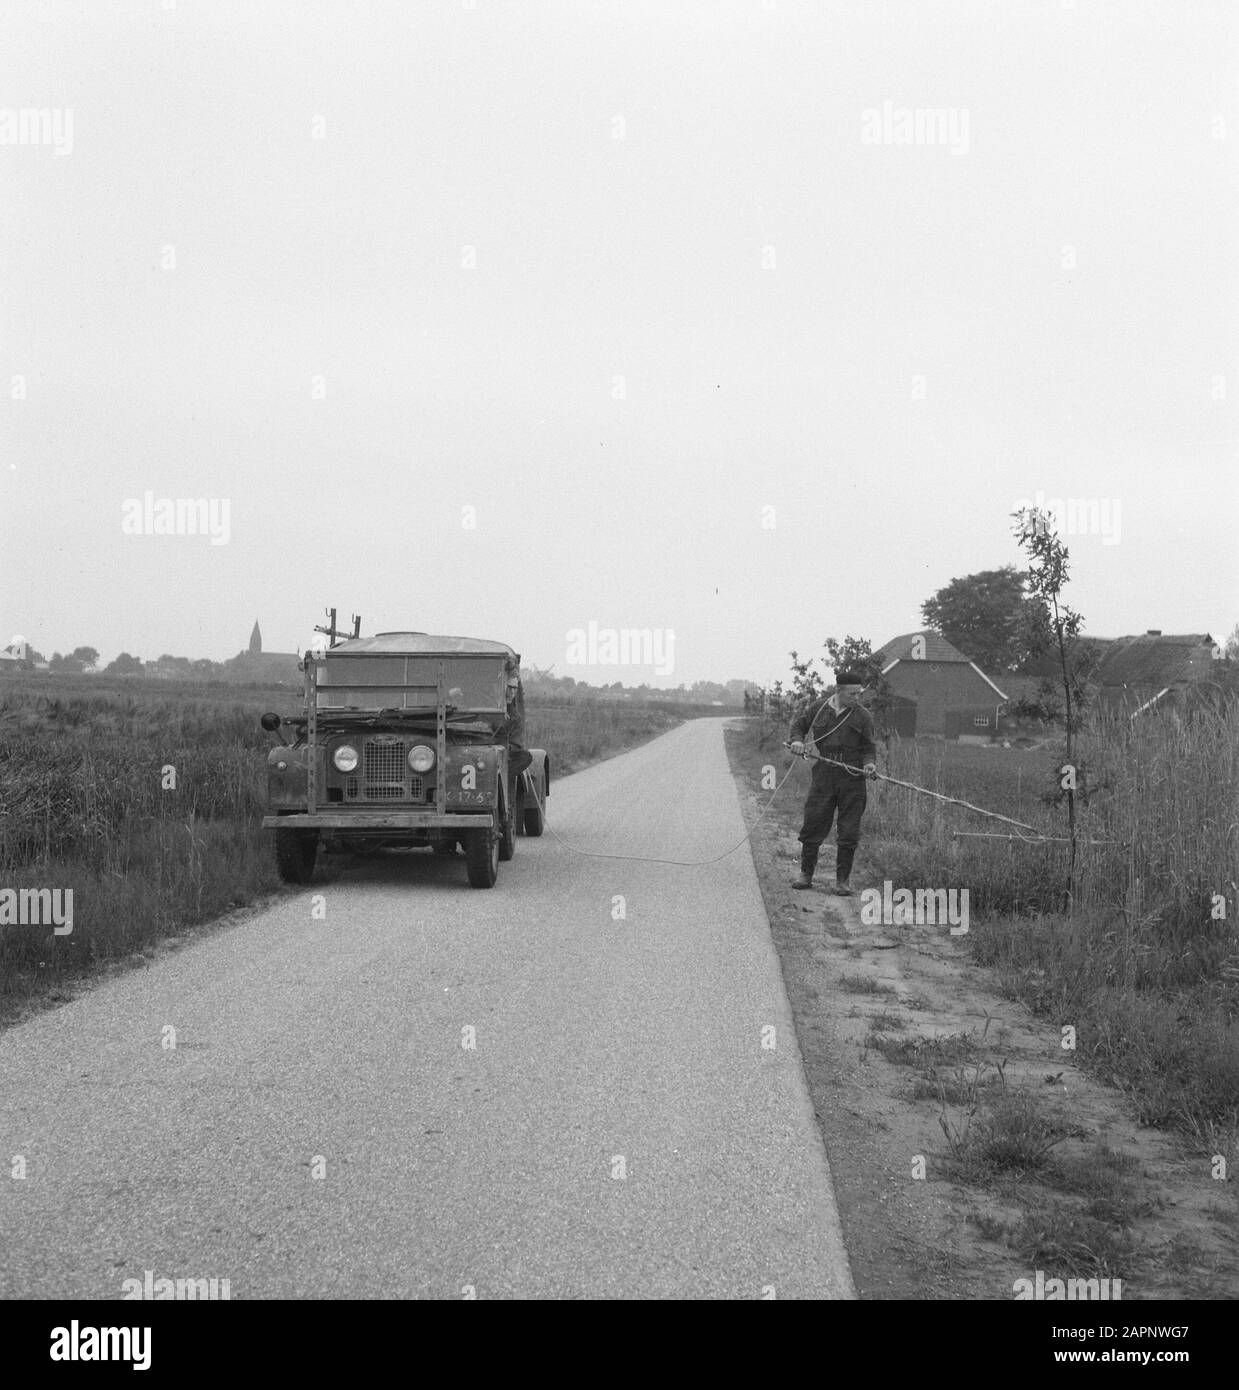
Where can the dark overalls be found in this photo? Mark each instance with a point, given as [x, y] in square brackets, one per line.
[848, 738]
[513, 730]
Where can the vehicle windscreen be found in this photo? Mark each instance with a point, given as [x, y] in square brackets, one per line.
[473, 683]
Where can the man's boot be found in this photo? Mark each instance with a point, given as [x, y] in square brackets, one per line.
[844, 855]
[808, 862]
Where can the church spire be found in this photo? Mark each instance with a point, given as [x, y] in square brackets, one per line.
[256, 640]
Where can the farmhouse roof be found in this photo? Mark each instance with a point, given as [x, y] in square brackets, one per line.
[1154, 659]
[1149, 658]
[937, 648]
[1046, 666]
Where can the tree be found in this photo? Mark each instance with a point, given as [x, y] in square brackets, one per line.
[807, 684]
[857, 653]
[177, 666]
[76, 662]
[1231, 647]
[1047, 575]
[989, 617]
[124, 665]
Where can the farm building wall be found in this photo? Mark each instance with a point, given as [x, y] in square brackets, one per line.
[942, 686]
[899, 719]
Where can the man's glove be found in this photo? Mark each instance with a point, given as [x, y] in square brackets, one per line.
[871, 770]
[797, 747]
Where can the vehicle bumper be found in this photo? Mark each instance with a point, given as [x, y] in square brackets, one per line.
[378, 820]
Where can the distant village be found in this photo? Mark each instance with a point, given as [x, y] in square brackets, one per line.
[250, 666]
[254, 666]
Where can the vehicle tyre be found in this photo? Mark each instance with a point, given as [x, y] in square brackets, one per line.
[507, 836]
[444, 846]
[482, 857]
[295, 852]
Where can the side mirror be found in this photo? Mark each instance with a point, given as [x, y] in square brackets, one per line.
[271, 722]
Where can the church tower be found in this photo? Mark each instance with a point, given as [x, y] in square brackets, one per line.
[255, 641]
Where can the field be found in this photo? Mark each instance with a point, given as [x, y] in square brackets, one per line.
[1145, 966]
[144, 798]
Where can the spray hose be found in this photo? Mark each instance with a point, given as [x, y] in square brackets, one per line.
[1036, 838]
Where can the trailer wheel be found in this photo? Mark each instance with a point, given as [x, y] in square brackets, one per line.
[295, 852]
[534, 816]
[507, 834]
[481, 857]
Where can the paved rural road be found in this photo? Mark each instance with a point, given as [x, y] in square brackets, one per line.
[619, 1130]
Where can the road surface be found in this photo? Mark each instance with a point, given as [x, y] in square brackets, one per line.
[617, 1123]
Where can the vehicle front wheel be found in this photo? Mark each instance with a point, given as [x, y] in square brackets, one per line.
[482, 857]
[295, 852]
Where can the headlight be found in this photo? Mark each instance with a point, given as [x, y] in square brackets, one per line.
[421, 758]
[345, 757]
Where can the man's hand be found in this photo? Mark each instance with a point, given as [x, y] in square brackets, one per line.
[871, 770]
[797, 747]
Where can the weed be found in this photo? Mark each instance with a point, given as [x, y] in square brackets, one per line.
[864, 984]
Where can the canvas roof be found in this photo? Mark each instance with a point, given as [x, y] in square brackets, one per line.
[421, 644]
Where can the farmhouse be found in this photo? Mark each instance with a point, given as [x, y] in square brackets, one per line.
[1135, 673]
[953, 697]
[15, 659]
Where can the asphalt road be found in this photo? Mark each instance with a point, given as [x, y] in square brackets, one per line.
[617, 1129]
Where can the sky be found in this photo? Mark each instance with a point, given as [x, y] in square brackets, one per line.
[510, 319]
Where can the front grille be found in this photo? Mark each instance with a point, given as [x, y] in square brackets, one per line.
[384, 774]
[385, 791]
[384, 763]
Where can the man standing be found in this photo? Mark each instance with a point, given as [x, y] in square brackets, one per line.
[513, 729]
[840, 728]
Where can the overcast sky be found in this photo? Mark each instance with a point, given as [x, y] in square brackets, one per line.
[505, 318]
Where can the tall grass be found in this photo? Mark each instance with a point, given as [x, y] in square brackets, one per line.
[87, 803]
[1145, 968]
